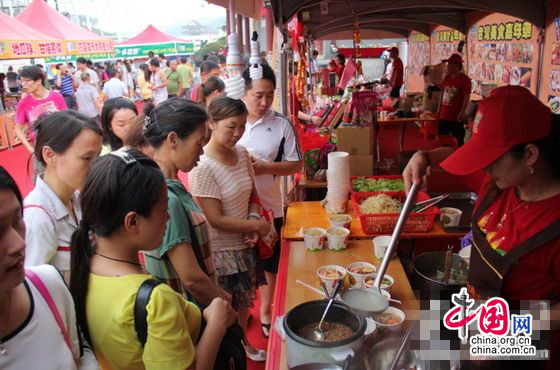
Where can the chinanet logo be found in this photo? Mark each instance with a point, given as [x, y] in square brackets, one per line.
[500, 334]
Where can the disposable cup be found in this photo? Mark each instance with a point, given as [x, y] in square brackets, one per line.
[450, 216]
[330, 275]
[314, 238]
[357, 271]
[337, 238]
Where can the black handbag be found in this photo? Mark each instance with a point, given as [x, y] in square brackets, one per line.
[231, 354]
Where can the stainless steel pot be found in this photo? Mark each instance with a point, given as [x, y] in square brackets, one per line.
[382, 354]
[303, 351]
[426, 267]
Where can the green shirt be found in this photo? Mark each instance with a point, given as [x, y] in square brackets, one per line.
[186, 75]
[185, 220]
[173, 81]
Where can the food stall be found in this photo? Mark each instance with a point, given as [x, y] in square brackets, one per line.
[433, 35]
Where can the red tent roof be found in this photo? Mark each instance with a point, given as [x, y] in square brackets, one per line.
[13, 29]
[45, 19]
[151, 35]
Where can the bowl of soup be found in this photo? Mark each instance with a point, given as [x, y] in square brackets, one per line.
[392, 318]
[356, 272]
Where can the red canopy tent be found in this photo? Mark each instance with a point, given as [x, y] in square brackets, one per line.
[152, 39]
[79, 40]
[18, 40]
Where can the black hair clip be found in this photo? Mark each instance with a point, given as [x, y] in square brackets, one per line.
[126, 157]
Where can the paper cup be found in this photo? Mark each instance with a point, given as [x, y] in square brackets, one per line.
[340, 221]
[450, 216]
[380, 245]
[357, 271]
[386, 283]
[465, 253]
[314, 238]
[337, 238]
[330, 275]
[395, 314]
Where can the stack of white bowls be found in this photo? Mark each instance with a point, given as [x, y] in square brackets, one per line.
[338, 182]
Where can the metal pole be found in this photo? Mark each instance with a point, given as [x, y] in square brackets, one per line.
[240, 31]
[246, 36]
[232, 16]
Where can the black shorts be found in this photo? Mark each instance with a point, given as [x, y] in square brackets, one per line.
[395, 92]
[271, 264]
[454, 128]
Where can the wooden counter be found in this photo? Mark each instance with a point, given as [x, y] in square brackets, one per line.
[297, 263]
[312, 214]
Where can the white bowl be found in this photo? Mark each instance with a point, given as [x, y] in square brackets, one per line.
[450, 216]
[314, 242]
[395, 312]
[340, 220]
[337, 238]
[357, 278]
[465, 253]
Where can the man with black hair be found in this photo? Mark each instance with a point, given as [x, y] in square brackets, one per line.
[37, 101]
[396, 78]
[114, 88]
[81, 62]
[65, 85]
[186, 73]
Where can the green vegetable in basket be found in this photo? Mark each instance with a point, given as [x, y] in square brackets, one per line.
[363, 184]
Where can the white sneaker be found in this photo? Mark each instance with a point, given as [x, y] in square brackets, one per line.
[260, 356]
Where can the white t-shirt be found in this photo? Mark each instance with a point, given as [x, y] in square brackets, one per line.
[114, 88]
[39, 343]
[94, 78]
[232, 186]
[272, 138]
[85, 99]
[49, 228]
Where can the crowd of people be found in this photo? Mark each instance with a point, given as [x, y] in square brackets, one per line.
[110, 213]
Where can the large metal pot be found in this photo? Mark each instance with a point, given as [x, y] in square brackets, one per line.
[426, 267]
[303, 351]
[382, 354]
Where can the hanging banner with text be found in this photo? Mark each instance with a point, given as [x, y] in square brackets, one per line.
[445, 42]
[503, 50]
[20, 49]
[141, 51]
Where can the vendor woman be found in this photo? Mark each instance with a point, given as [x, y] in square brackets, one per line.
[513, 161]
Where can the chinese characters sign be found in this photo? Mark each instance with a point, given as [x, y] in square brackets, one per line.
[30, 49]
[140, 51]
[502, 50]
[444, 43]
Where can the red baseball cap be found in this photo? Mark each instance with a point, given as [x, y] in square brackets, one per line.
[511, 115]
[454, 58]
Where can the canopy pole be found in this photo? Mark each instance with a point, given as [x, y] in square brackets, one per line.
[232, 16]
[246, 36]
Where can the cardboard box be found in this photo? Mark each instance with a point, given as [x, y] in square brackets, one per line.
[355, 140]
[361, 165]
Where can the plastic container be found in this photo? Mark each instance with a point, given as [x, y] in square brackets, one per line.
[384, 223]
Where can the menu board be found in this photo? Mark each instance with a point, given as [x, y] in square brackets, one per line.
[503, 50]
[418, 58]
[550, 86]
[445, 42]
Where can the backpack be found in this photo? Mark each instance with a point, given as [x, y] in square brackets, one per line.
[231, 354]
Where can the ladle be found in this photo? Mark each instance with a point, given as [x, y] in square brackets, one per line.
[318, 333]
[377, 302]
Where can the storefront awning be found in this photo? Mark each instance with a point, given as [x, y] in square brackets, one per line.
[19, 41]
[79, 40]
[404, 15]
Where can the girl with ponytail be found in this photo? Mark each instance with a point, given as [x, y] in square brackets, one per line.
[124, 208]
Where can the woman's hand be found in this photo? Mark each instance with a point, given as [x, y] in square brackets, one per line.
[417, 170]
[316, 120]
[251, 239]
[263, 228]
[220, 313]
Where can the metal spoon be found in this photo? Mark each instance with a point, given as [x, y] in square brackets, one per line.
[318, 334]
